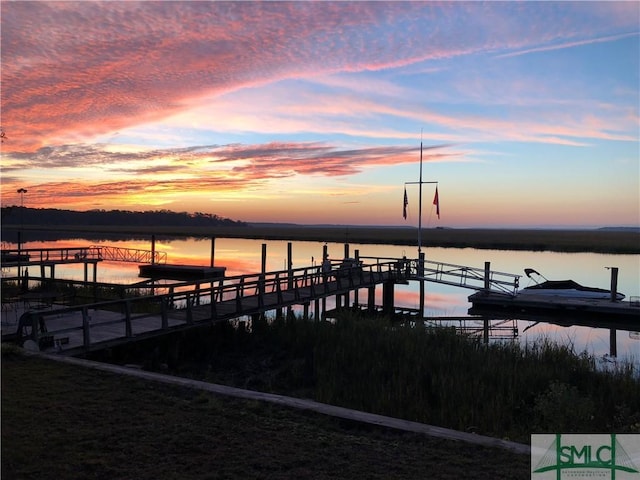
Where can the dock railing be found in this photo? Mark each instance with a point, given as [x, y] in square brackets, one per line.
[241, 296]
[43, 255]
[456, 275]
[131, 255]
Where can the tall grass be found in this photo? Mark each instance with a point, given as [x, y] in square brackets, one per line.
[433, 376]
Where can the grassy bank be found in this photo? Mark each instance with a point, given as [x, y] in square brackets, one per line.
[435, 377]
[601, 241]
[62, 421]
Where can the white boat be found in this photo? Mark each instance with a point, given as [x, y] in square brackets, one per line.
[565, 288]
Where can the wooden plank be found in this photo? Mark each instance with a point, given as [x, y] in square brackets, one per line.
[304, 404]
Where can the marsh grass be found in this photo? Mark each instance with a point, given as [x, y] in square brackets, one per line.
[70, 422]
[433, 376]
[102, 293]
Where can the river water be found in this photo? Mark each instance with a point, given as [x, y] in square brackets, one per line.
[241, 256]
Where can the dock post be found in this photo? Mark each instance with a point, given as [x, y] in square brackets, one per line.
[614, 283]
[421, 276]
[261, 285]
[388, 297]
[346, 250]
[487, 274]
[289, 266]
[213, 250]
[153, 249]
[613, 347]
[326, 270]
[356, 300]
[485, 333]
[324, 308]
[371, 299]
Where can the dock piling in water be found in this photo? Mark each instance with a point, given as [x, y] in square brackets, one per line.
[614, 283]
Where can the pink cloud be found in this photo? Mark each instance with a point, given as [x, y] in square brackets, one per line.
[72, 70]
[151, 175]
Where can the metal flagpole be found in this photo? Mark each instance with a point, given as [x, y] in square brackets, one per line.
[420, 206]
[420, 266]
[420, 183]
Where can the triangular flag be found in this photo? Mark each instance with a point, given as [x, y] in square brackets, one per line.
[406, 202]
[436, 202]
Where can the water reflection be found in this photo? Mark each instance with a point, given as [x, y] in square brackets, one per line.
[241, 256]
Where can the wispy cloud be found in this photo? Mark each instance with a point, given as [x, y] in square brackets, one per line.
[184, 171]
[561, 46]
[73, 70]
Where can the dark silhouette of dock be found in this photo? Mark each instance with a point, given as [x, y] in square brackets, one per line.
[208, 297]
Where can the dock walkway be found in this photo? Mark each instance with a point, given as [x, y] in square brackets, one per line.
[83, 328]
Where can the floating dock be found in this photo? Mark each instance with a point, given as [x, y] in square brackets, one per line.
[570, 310]
[180, 272]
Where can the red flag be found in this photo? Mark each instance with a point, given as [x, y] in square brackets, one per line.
[406, 202]
[436, 202]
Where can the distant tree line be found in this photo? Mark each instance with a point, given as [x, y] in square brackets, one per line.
[14, 215]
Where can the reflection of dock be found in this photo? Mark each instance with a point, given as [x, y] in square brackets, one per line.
[484, 327]
[563, 311]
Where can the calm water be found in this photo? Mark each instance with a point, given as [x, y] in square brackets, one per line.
[244, 256]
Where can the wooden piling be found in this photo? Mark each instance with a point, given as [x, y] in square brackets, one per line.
[487, 276]
[614, 283]
[356, 300]
[485, 333]
[388, 291]
[371, 299]
[613, 346]
[153, 249]
[289, 265]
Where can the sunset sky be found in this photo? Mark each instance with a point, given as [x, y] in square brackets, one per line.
[313, 112]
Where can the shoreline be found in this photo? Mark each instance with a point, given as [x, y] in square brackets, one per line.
[593, 241]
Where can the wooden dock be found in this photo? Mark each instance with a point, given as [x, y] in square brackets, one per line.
[208, 297]
[180, 272]
[79, 329]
